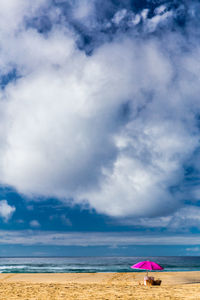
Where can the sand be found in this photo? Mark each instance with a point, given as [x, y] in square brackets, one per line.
[96, 286]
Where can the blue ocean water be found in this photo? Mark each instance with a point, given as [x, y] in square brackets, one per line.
[92, 264]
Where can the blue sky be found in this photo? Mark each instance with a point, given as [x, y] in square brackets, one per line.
[99, 127]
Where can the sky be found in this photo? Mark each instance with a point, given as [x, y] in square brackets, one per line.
[99, 127]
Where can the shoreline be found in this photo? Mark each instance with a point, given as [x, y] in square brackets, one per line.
[168, 278]
[101, 286]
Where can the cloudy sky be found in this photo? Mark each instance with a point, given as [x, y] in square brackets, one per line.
[99, 127]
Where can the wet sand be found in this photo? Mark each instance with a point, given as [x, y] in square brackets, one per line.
[96, 286]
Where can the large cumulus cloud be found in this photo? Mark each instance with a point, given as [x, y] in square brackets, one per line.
[100, 109]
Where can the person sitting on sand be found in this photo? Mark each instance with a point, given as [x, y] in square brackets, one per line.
[148, 279]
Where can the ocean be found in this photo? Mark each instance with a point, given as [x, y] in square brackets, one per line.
[92, 264]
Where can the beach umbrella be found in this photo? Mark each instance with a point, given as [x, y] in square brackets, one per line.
[147, 265]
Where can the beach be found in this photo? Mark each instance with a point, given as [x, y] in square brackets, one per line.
[110, 286]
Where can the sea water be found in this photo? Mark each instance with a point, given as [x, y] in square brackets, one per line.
[92, 264]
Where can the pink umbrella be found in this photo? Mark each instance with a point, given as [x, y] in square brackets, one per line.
[147, 265]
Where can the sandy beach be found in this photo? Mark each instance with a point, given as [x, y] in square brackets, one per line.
[105, 286]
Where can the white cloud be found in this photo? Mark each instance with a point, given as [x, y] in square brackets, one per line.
[83, 10]
[144, 13]
[65, 220]
[158, 20]
[30, 237]
[6, 210]
[182, 220]
[119, 16]
[160, 10]
[113, 129]
[34, 224]
[135, 19]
